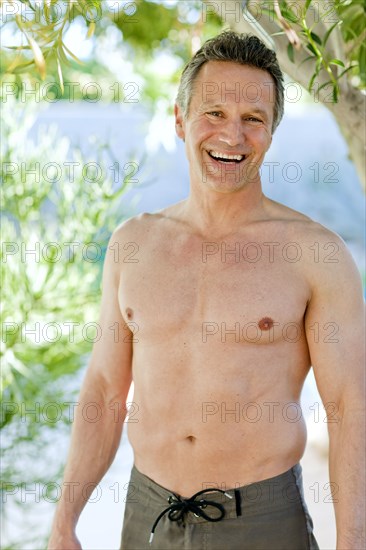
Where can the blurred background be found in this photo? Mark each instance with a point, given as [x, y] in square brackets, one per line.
[88, 140]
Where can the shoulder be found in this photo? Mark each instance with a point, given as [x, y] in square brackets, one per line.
[134, 230]
[133, 226]
[328, 263]
[146, 225]
[141, 232]
[320, 244]
[326, 259]
[302, 228]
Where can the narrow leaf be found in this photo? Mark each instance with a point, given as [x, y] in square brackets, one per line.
[306, 59]
[38, 56]
[60, 77]
[61, 55]
[73, 55]
[289, 15]
[346, 71]
[336, 62]
[311, 48]
[17, 47]
[91, 30]
[311, 83]
[316, 38]
[279, 33]
[325, 84]
[291, 52]
[21, 68]
[328, 33]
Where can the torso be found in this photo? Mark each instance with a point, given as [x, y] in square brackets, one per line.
[220, 354]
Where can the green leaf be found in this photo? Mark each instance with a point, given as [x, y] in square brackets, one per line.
[311, 48]
[311, 83]
[61, 55]
[91, 30]
[17, 47]
[329, 32]
[308, 58]
[291, 52]
[325, 84]
[72, 55]
[60, 76]
[279, 33]
[288, 14]
[346, 71]
[23, 67]
[316, 38]
[336, 62]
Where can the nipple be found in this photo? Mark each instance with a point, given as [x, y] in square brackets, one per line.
[129, 313]
[266, 323]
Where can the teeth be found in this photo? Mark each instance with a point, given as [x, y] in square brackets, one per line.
[224, 156]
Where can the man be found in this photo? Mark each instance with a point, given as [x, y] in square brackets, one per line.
[221, 309]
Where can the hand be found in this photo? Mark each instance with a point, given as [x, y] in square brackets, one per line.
[60, 541]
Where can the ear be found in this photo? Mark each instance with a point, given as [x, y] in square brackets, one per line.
[179, 122]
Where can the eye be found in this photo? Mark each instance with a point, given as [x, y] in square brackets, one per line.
[253, 119]
[215, 113]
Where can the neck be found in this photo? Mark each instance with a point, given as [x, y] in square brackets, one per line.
[219, 214]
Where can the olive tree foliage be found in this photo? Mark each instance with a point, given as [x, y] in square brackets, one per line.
[59, 207]
[320, 43]
[58, 210]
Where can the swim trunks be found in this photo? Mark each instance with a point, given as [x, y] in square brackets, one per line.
[266, 515]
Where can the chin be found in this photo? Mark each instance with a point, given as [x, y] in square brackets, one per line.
[226, 186]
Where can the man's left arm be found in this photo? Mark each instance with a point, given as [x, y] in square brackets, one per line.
[335, 332]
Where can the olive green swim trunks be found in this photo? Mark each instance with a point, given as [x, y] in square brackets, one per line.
[267, 515]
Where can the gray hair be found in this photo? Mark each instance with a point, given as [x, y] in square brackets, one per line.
[238, 48]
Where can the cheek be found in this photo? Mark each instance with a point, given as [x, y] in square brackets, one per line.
[194, 138]
[200, 129]
[263, 138]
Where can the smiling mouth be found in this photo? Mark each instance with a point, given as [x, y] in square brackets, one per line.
[223, 157]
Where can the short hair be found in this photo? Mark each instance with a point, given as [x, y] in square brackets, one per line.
[244, 49]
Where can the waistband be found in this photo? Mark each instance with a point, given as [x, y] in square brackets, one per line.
[283, 490]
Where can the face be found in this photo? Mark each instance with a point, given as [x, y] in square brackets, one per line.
[228, 128]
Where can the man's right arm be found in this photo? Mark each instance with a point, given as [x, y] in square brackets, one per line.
[107, 382]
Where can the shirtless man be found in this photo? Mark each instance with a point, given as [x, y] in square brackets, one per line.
[220, 319]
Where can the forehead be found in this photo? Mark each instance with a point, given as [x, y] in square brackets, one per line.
[225, 81]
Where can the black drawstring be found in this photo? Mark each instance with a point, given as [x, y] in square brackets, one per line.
[237, 502]
[180, 506]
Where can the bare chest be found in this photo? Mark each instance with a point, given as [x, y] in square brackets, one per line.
[180, 288]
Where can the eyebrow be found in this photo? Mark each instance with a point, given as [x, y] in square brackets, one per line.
[207, 105]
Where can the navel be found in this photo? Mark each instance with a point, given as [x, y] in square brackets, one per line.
[266, 323]
[129, 313]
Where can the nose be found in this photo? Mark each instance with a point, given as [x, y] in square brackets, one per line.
[232, 133]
